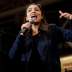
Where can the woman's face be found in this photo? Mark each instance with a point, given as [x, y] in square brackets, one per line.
[35, 12]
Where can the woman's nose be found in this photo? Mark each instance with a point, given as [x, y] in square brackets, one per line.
[33, 10]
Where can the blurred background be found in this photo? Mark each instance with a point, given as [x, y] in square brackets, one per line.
[11, 18]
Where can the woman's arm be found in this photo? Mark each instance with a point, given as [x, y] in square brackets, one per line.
[17, 43]
[67, 35]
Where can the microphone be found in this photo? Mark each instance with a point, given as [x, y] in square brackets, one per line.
[24, 30]
[31, 21]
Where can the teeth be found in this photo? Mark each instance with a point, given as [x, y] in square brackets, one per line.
[33, 16]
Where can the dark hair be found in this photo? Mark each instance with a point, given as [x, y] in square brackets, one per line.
[39, 5]
[44, 24]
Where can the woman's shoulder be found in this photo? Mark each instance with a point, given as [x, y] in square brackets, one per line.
[54, 28]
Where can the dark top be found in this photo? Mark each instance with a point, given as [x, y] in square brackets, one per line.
[40, 52]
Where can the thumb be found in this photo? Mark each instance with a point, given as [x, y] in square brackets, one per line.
[61, 13]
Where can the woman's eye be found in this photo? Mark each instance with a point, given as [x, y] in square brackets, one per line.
[29, 10]
[36, 9]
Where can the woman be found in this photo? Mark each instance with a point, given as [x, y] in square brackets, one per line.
[38, 47]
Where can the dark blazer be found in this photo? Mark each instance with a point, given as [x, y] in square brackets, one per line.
[38, 53]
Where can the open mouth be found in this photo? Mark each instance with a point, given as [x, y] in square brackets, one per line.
[33, 16]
